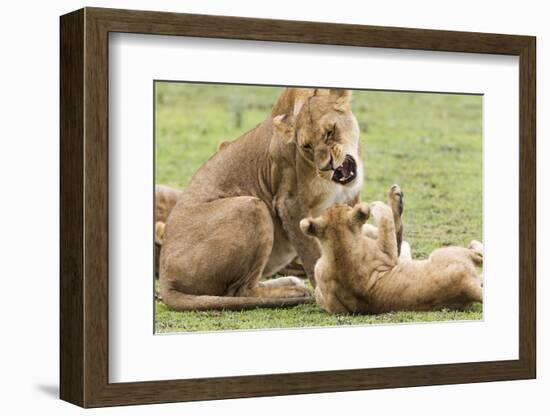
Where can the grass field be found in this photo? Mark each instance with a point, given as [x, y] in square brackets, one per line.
[430, 144]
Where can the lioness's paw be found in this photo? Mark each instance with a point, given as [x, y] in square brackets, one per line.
[283, 281]
[295, 281]
[298, 292]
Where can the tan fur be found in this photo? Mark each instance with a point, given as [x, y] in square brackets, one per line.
[238, 220]
[223, 145]
[165, 200]
[159, 232]
[358, 274]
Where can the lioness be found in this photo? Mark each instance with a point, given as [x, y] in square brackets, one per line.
[358, 274]
[238, 219]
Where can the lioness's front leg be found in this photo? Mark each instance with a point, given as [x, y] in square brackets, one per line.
[306, 247]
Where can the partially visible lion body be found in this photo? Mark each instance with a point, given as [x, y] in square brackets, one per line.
[238, 219]
[358, 274]
[165, 201]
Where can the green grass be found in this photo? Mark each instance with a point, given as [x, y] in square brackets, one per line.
[430, 144]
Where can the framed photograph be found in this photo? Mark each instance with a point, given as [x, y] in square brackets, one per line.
[255, 207]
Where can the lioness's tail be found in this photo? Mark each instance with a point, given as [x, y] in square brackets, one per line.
[180, 301]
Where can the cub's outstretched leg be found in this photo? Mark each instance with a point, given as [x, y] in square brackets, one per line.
[396, 203]
[389, 236]
[477, 248]
[214, 254]
[386, 241]
[458, 266]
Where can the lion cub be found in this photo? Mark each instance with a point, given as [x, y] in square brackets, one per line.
[358, 274]
[165, 200]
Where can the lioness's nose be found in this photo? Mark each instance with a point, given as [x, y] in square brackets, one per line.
[329, 165]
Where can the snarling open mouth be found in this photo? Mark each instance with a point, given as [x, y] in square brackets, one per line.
[346, 172]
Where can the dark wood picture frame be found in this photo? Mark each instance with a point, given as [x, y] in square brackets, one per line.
[84, 207]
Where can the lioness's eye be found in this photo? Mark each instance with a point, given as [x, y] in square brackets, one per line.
[307, 146]
[329, 135]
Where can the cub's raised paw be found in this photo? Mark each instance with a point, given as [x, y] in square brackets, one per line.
[396, 199]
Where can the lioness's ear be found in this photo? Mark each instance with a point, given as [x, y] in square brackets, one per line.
[311, 227]
[342, 98]
[291, 101]
[360, 213]
[223, 145]
[285, 124]
[159, 232]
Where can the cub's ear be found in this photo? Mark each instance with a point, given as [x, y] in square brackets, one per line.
[342, 98]
[159, 232]
[360, 213]
[312, 227]
[285, 125]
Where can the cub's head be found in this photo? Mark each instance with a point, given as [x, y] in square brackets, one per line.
[326, 133]
[338, 224]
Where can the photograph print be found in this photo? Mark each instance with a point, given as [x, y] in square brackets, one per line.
[298, 207]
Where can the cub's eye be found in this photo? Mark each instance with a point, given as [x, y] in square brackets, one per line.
[307, 147]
